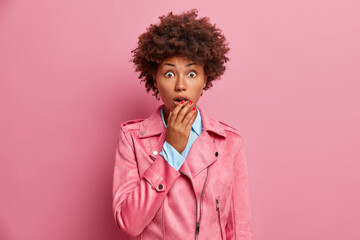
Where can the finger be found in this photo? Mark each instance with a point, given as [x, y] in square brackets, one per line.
[190, 119]
[183, 112]
[174, 113]
[188, 116]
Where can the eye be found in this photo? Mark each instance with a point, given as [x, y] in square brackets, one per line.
[169, 74]
[192, 74]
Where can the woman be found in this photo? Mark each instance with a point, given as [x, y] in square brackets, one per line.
[181, 174]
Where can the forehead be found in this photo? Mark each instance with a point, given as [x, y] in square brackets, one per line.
[177, 61]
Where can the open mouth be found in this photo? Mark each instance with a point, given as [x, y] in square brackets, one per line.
[179, 99]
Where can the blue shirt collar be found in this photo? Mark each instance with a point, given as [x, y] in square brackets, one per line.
[197, 125]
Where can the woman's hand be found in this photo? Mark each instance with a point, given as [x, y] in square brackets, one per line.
[179, 124]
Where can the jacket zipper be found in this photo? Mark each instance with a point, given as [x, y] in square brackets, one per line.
[218, 211]
[197, 228]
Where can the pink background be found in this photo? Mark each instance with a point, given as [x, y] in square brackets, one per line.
[291, 88]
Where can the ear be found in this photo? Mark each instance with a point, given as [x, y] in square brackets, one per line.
[205, 80]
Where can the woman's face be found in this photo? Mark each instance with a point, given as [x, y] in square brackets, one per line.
[177, 78]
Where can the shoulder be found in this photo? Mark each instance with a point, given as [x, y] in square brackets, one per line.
[131, 125]
[234, 134]
[229, 128]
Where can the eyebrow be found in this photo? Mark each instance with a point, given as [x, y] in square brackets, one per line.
[187, 65]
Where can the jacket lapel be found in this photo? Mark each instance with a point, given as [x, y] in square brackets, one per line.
[201, 155]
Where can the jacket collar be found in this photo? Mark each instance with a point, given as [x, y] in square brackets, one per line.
[151, 127]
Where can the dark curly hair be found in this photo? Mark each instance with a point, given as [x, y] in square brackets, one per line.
[181, 34]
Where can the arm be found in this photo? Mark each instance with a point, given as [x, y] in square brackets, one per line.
[137, 199]
[239, 225]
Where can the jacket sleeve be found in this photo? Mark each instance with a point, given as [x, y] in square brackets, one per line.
[136, 199]
[239, 226]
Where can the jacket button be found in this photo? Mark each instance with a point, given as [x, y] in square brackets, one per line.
[142, 133]
[155, 152]
[161, 186]
[216, 154]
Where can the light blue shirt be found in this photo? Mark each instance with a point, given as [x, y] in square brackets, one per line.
[170, 154]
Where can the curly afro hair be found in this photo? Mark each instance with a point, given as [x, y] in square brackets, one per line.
[181, 34]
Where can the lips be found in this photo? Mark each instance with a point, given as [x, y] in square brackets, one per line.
[180, 98]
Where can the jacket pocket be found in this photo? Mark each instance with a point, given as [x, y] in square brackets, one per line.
[218, 213]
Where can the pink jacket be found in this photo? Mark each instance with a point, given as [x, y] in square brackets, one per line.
[206, 199]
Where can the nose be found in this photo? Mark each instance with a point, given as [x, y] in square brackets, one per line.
[180, 83]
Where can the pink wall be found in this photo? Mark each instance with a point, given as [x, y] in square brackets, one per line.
[291, 87]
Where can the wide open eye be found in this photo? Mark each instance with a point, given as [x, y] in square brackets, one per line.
[169, 74]
[192, 74]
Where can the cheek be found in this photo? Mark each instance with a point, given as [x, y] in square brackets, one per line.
[163, 93]
[161, 89]
[199, 88]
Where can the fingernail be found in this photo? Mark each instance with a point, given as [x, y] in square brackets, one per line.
[193, 109]
[182, 101]
[190, 102]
